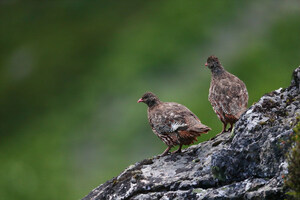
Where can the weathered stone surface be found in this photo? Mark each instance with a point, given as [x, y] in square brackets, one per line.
[248, 164]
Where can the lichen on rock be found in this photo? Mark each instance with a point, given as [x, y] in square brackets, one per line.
[250, 164]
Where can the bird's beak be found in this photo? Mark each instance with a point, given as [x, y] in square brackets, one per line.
[206, 64]
[140, 100]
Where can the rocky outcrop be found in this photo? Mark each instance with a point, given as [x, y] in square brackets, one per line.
[249, 163]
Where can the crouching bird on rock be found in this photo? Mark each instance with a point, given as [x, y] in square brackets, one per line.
[227, 94]
[173, 123]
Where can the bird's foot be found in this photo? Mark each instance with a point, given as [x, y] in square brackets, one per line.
[230, 129]
[177, 151]
[165, 152]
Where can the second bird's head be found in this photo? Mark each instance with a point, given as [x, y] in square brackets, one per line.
[212, 62]
[149, 98]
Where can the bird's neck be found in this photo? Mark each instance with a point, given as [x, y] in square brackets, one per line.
[218, 70]
[152, 104]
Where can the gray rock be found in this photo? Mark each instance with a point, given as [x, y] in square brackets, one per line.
[248, 164]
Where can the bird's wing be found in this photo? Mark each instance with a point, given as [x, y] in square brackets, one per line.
[229, 95]
[168, 118]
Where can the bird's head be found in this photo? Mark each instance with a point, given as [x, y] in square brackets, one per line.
[213, 63]
[149, 98]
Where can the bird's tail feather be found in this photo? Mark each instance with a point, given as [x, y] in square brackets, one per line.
[199, 129]
[190, 136]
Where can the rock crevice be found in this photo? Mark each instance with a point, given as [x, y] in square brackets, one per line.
[249, 163]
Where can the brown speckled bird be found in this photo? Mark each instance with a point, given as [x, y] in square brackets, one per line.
[173, 123]
[227, 94]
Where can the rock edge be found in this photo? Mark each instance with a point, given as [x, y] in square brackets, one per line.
[249, 163]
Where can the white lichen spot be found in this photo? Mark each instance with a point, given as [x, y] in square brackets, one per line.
[278, 90]
[248, 186]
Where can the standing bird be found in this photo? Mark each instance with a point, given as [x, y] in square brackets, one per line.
[227, 94]
[173, 123]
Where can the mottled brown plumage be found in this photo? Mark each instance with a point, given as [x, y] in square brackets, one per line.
[227, 94]
[173, 123]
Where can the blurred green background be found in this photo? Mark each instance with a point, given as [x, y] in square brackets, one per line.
[72, 71]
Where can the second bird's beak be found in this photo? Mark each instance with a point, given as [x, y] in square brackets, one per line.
[140, 100]
[206, 64]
